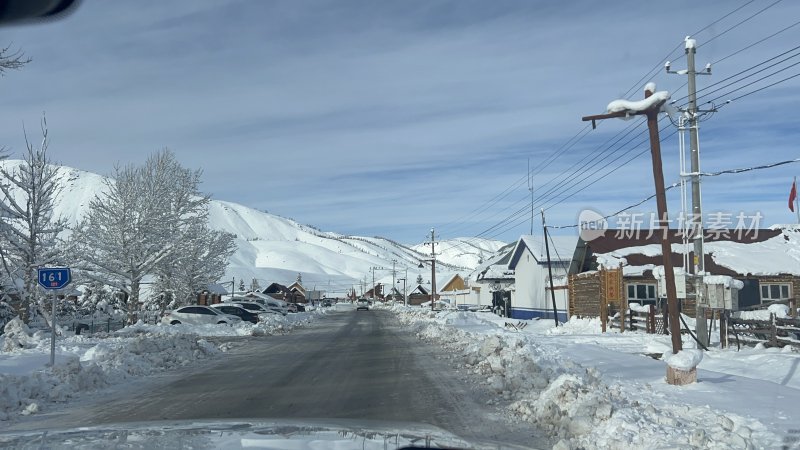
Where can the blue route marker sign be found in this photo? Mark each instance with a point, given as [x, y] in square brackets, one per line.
[54, 277]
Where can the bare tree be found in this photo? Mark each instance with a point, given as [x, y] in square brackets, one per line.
[28, 230]
[11, 60]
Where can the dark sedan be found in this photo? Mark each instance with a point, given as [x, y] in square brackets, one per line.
[237, 311]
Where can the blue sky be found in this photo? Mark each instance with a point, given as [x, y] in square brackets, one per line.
[387, 118]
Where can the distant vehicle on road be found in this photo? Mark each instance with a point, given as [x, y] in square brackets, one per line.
[199, 315]
[327, 303]
[238, 311]
[362, 305]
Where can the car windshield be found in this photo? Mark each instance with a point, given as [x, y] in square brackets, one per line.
[372, 224]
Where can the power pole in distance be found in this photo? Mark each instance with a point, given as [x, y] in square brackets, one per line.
[696, 217]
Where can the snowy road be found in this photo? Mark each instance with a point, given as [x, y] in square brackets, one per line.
[351, 365]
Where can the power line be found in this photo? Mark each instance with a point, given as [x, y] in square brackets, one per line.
[756, 43]
[676, 184]
[740, 23]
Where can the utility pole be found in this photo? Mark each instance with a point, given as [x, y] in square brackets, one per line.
[696, 217]
[373, 283]
[651, 112]
[530, 188]
[394, 262]
[433, 268]
[549, 269]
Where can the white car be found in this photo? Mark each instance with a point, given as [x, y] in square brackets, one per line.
[199, 315]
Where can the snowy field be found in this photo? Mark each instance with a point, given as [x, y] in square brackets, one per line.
[589, 389]
[88, 363]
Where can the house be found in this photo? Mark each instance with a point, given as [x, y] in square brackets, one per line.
[455, 291]
[297, 293]
[212, 294]
[276, 291]
[493, 280]
[375, 292]
[532, 270]
[766, 261]
[395, 294]
[419, 295]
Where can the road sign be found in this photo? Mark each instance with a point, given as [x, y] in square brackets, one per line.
[54, 277]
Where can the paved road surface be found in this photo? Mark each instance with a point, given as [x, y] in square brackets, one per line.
[349, 365]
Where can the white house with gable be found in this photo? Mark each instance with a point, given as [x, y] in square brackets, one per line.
[531, 278]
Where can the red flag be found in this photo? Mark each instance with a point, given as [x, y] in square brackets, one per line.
[792, 195]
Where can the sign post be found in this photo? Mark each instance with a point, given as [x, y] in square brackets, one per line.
[53, 279]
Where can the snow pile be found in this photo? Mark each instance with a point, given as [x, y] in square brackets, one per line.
[778, 310]
[16, 336]
[577, 406]
[686, 359]
[105, 362]
[87, 363]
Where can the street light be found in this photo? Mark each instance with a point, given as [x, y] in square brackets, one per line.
[405, 300]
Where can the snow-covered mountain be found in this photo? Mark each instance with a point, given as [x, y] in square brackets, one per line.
[277, 249]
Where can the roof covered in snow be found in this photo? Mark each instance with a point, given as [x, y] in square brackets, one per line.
[561, 249]
[763, 252]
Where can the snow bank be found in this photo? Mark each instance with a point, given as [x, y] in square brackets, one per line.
[87, 363]
[578, 406]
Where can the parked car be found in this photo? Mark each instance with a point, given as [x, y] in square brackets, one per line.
[362, 305]
[238, 311]
[292, 307]
[199, 315]
[278, 306]
[300, 307]
[257, 308]
[327, 303]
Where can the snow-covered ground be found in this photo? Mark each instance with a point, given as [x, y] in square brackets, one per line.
[589, 389]
[90, 362]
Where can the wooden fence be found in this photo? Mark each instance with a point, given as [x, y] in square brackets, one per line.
[774, 332]
[651, 320]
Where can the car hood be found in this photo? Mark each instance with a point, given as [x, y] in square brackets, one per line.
[235, 434]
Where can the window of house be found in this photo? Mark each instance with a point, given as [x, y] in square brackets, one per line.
[775, 291]
[642, 292]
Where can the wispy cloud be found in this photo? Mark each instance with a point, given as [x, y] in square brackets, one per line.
[391, 117]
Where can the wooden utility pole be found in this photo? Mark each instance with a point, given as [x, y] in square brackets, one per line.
[549, 269]
[661, 202]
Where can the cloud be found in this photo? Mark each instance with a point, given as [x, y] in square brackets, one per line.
[387, 118]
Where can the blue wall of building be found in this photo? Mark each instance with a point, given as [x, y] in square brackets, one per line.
[531, 313]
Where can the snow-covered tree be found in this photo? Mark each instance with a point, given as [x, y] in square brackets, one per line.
[419, 279]
[96, 299]
[200, 261]
[142, 219]
[241, 285]
[299, 279]
[28, 228]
